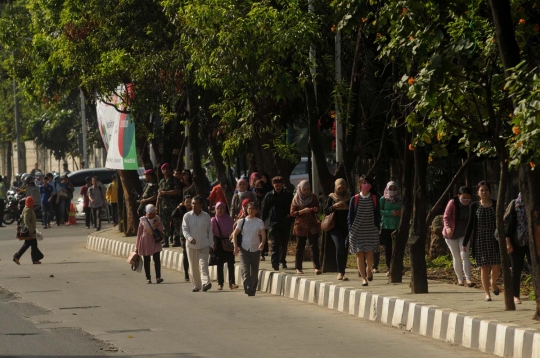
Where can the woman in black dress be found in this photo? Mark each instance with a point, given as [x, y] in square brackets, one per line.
[485, 248]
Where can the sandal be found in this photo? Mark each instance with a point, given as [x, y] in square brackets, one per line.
[16, 260]
[159, 280]
[220, 287]
[340, 277]
[496, 292]
[471, 284]
[148, 281]
[318, 272]
[345, 279]
[460, 283]
[299, 272]
[517, 300]
[232, 286]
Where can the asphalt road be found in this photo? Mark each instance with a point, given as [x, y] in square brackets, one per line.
[123, 316]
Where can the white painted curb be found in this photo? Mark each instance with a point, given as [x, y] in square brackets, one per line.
[501, 339]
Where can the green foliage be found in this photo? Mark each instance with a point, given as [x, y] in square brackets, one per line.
[440, 262]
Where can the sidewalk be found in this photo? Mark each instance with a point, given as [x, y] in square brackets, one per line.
[455, 314]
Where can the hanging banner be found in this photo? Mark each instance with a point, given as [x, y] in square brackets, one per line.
[118, 133]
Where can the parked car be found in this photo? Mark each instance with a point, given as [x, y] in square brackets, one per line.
[300, 172]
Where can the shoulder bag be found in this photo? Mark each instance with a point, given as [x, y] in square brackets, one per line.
[329, 222]
[158, 236]
[23, 233]
[226, 243]
[239, 236]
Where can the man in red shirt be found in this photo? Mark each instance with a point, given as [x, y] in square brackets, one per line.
[216, 196]
[86, 201]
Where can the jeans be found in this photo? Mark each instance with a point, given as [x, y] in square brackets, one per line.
[87, 216]
[250, 269]
[157, 265]
[462, 262]
[96, 215]
[279, 238]
[341, 249]
[517, 259]
[61, 211]
[386, 241]
[34, 253]
[300, 248]
[46, 212]
[114, 210]
[185, 260]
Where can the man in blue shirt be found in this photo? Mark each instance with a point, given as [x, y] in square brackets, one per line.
[46, 192]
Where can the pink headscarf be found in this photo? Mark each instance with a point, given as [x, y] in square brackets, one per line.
[253, 178]
[225, 222]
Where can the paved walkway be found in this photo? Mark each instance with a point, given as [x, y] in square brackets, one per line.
[449, 312]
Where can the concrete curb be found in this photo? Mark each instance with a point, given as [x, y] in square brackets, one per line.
[460, 328]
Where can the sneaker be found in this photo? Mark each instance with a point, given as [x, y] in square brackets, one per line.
[195, 289]
[207, 286]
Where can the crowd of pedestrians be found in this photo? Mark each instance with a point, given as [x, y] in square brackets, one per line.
[263, 211]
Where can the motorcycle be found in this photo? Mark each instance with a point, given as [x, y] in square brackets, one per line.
[11, 212]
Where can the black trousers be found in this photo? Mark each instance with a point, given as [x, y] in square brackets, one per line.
[517, 260]
[34, 253]
[386, 240]
[114, 211]
[157, 265]
[185, 261]
[2, 208]
[264, 252]
[87, 216]
[301, 247]
[279, 237]
[225, 257]
[96, 216]
[340, 238]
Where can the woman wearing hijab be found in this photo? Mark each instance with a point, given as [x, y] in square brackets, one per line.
[28, 219]
[222, 227]
[242, 194]
[267, 182]
[390, 205]
[304, 209]
[517, 241]
[146, 245]
[364, 221]
[338, 203]
[253, 179]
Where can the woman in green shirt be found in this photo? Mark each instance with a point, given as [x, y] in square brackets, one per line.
[28, 219]
[390, 204]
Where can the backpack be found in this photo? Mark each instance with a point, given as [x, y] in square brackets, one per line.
[357, 199]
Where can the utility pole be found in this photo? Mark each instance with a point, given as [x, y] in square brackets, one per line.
[83, 116]
[313, 70]
[339, 124]
[188, 145]
[17, 127]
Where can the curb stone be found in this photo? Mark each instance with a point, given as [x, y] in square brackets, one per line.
[460, 328]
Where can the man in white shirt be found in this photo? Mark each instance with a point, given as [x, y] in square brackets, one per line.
[199, 237]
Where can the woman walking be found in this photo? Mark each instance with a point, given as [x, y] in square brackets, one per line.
[485, 248]
[338, 203]
[517, 241]
[146, 245]
[28, 219]
[304, 209]
[364, 221]
[456, 217]
[249, 249]
[242, 194]
[390, 205]
[222, 227]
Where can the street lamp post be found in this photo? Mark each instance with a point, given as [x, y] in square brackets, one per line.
[17, 126]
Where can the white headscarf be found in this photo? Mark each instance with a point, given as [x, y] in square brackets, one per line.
[150, 208]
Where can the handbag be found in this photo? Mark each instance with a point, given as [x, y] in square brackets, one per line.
[158, 235]
[39, 236]
[133, 260]
[239, 236]
[23, 233]
[214, 259]
[226, 243]
[329, 222]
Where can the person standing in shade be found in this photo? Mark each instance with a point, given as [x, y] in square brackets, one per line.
[242, 194]
[250, 248]
[112, 198]
[146, 246]
[222, 227]
[304, 208]
[169, 189]
[456, 218]
[180, 211]
[3, 197]
[46, 192]
[517, 241]
[86, 201]
[96, 198]
[338, 203]
[150, 191]
[485, 248]
[390, 205]
[276, 209]
[364, 221]
[28, 219]
[199, 237]
[65, 169]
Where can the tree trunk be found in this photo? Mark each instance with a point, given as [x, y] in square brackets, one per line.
[221, 170]
[9, 161]
[419, 283]
[132, 189]
[121, 207]
[530, 191]
[504, 28]
[402, 234]
[199, 177]
[505, 260]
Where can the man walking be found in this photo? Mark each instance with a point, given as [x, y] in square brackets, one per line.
[96, 197]
[277, 206]
[46, 192]
[3, 197]
[199, 237]
[169, 189]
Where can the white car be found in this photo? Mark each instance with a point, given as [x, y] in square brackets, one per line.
[299, 172]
